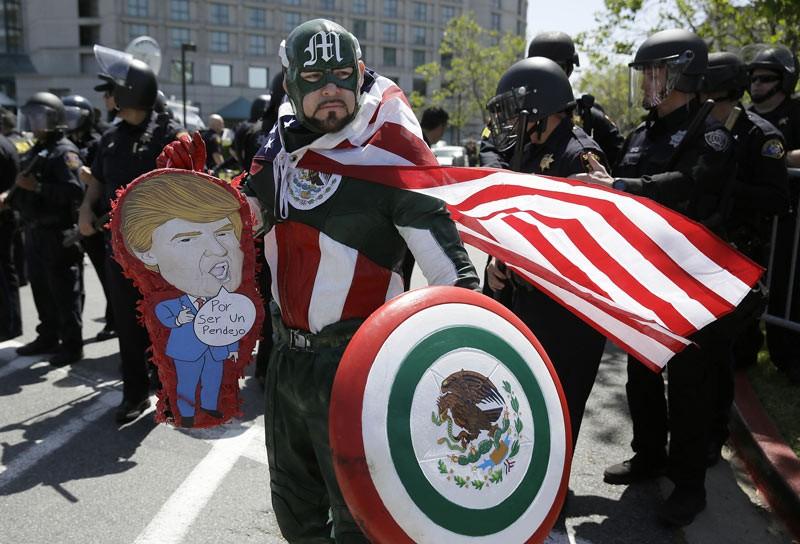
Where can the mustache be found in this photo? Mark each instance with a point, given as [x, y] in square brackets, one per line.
[331, 101]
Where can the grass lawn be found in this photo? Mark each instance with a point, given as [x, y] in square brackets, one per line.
[780, 399]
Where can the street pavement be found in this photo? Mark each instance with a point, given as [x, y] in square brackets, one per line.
[69, 474]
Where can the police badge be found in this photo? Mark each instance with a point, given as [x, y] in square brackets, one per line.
[448, 422]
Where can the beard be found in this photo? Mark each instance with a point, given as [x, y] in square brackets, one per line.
[331, 123]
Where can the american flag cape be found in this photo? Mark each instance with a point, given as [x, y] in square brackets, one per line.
[643, 275]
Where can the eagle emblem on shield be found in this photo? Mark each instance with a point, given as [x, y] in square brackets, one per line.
[447, 421]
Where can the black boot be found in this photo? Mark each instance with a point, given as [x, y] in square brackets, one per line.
[38, 347]
[682, 506]
[635, 469]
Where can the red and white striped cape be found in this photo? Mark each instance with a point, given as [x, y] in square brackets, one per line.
[641, 274]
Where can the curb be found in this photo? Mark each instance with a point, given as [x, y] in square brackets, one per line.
[772, 464]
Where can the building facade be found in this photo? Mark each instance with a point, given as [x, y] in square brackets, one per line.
[237, 40]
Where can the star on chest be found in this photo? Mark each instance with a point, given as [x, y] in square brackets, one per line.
[546, 161]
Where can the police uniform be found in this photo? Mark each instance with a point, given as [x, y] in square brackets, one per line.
[10, 313]
[213, 143]
[248, 139]
[784, 344]
[694, 186]
[55, 272]
[127, 151]
[95, 245]
[600, 128]
[574, 348]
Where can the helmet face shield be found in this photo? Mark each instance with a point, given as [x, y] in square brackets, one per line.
[38, 118]
[75, 117]
[506, 113]
[651, 83]
[113, 63]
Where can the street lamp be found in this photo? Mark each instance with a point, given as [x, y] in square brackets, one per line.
[184, 48]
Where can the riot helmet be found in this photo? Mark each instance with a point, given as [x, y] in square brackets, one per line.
[43, 112]
[134, 82]
[556, 46]
[529, 91]
[666, 61]
[258, 107]
[160, 105]
[323, 47]
[79, 113]
[776, 58]
[726, 72]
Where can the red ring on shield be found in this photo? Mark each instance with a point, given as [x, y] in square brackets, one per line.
[347, 398]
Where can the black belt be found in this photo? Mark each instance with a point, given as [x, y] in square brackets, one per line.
[332, 336]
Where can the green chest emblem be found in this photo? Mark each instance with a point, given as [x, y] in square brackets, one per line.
[308, 189]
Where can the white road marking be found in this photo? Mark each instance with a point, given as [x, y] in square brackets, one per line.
[97, 406]
[179, 512]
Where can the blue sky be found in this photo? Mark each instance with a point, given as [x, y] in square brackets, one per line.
[570, 16]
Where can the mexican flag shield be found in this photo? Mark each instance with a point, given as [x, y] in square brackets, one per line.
[448, 422]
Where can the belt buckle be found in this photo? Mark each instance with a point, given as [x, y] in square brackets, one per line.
[299, 341]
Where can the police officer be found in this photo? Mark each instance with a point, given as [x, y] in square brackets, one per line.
[559, 47]
[127, 150]
[10, 312]
[684, 161]
[81, 131]
[250, 135]
[46, 195]
[773, 77]
[532, 116]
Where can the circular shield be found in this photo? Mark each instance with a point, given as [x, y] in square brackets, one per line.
[447, 422]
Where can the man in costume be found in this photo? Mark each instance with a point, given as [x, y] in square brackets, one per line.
[335, 246]
[189, 233]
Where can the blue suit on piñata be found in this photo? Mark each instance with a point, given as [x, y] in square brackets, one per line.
[195, 361]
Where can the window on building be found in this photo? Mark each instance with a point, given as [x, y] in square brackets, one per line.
[420, 11]
[219, 14]
[134, 31]
[389, 56]
[419, 35]
[359, 6]
[420, 86]
[256, 18]
[89, 35]
[417, 57]
[291, 20]
[257, 77]
[177, 36]
[521, 28]
[328, 5]
[447, 61]
[520, 5]
[175, 71]
[256, 45]
[390, 8]
[179, 10]
[292, 2]
[360, 29]
[219, 42]
[87, 8]
[221, 75]
[449, 12]
[497, 4]
[496, 21]
[10, 31]
[88, 64]
[138, 8]
[390, 32]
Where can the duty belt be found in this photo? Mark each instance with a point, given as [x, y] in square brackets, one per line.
[332, 336]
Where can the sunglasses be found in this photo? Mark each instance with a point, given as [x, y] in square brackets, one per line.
[764, 79]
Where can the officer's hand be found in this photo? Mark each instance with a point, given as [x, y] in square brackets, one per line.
[85, 175]
[26, 182]
[234, 356]
[184, 153]
[86, 219]
[598, 175]
[185, 316]
[495, 276]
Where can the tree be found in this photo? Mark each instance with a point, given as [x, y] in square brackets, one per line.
[727, 25]
[472, 61]
[610, 86]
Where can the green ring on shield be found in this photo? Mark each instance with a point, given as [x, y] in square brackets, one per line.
[451, 516]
